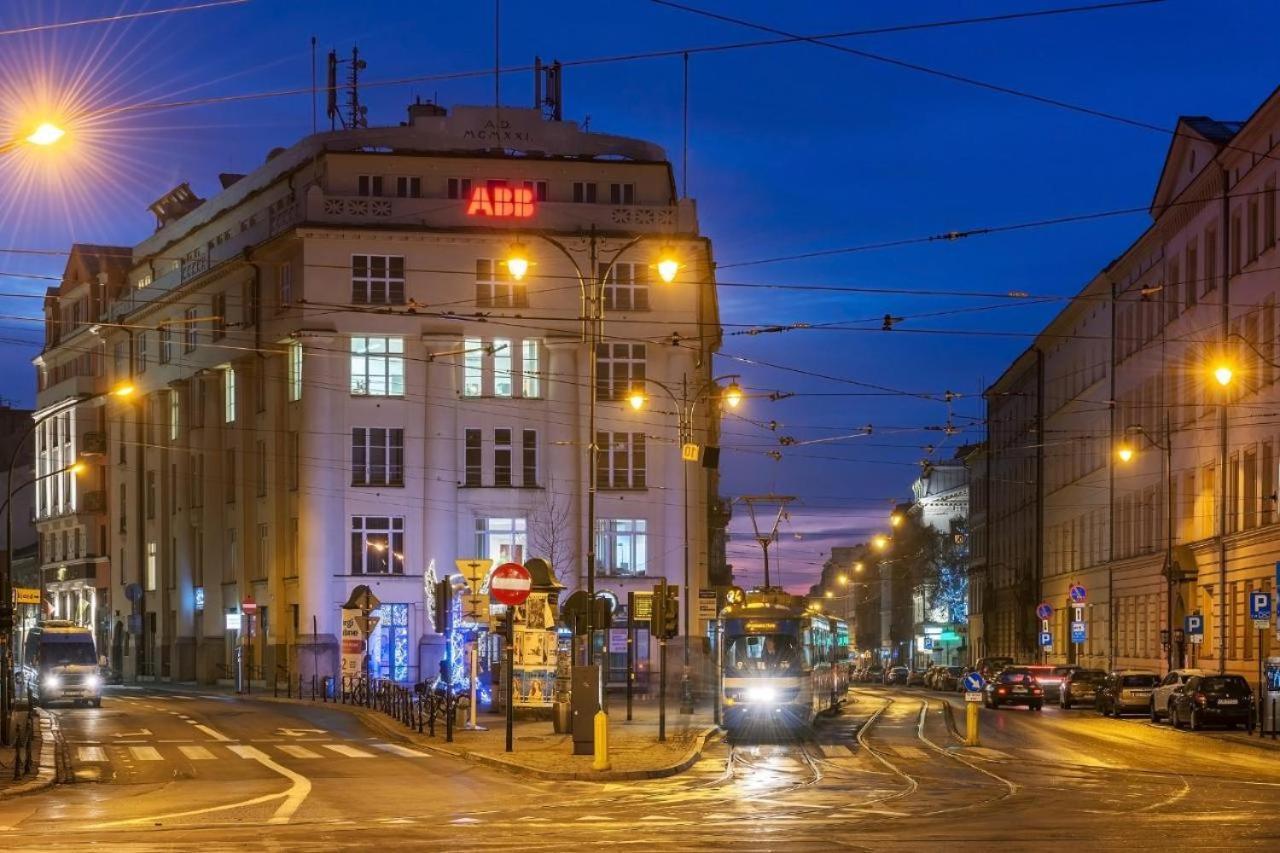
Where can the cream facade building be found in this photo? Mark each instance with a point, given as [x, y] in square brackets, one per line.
[340, 382]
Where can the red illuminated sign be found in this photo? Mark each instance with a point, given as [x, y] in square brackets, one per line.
[501, 201]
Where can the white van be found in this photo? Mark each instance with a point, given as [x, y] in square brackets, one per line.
[60, 663]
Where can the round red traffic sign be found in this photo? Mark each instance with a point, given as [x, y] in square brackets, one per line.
[510, 584]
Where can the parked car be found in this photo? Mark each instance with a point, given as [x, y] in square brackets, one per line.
[915, 678]
[1015, 685]
[897, 675]
[949, 678]
[1126, 691]
[1051, 677]
[1162, 696]
[1080, 687]
[873, 674]
[1224, 700]
[991, 665]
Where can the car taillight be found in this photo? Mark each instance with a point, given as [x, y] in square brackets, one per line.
[1201, 698]
[999, 689]
[1036, 691]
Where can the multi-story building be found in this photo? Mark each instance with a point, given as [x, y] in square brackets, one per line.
[70, 510]
[340, 381]
[941, 507]
[1157, 471]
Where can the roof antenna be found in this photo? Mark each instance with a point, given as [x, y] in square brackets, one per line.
[357, 115]
[497, 72]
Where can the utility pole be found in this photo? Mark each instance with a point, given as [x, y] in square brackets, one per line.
[765, 540]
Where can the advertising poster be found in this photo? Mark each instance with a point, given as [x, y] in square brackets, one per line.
[352, 644]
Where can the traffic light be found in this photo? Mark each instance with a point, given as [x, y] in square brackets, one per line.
[441, 598]
[664, 622]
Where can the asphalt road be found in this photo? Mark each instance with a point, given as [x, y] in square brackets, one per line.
[180, 770]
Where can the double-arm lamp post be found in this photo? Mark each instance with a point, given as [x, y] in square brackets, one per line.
[6, 579]
[686, 408]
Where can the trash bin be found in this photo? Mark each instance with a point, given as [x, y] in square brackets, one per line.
[239, 667]
[561, 717]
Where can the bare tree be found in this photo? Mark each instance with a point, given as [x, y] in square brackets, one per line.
[551, 529]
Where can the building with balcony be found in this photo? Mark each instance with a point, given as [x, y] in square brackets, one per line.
[341, 382]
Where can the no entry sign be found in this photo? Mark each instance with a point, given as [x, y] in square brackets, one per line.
[510, 584]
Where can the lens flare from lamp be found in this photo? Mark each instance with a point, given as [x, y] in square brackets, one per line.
[733, 395]
[637, 399]
[517, 263]
[1223, 374]
[668, 267]
[46, 134]
[1125, 454]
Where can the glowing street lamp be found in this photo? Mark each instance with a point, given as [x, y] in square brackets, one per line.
[857, 567]
[637, 399]
[895, 519]
[517, 262]
[46, 134]
[880, 542]
[668, 266]
[733, 395]
[843, 580]
[829, 594]
[1125, 453]
[1223, 373]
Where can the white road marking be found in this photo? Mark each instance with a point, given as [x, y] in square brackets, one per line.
[211, 733]
[146, 753]
[138, 733]
[248, 752]
[397, 749]
[196, 753]
[348, 751]
[298, 751]
[91, 753]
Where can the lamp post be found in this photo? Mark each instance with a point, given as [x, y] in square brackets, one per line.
[591, 289]
[686, 407]
[1126, 453]
[44, 135]
[6, 580]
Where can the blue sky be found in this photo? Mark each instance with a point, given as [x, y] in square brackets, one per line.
[792, 148]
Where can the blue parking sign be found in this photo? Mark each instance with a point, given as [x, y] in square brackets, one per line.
[1260, 605]
[1046, 638]
[1078, 632]
[1195, 624]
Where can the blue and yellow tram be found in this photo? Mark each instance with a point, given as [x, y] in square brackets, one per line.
[782, 663]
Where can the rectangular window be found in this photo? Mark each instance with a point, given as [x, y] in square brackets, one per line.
[229, 395]
[369, 185]
[620, 460]
[166, 343]
[622, 193]
[539, 189]
[248, 303]
[502, 540]
[219, 316]
[293, 551]
[377, 456]
[123, 505]
[1172, 299]
[1210, 280]
[198, 390]
[140, 353]
[619, 368]
[151, 494]
[1250, 484]
[262, 554]
[295, 371]
[584, 192]
[119, 359]
[502, 383]
[377, 280]
[530, 370]
[621, 547]
[502, 457]
[472, 367]
[197, 557]
[190, 328]
[626, 286]
[1236, 243]
[459, 188]
[1193, 271]
[295, 452]
[1251, 238]
[1269, 214]
[408, 187]
[377, 366]
[231, 560]
[173, 487]
[196, 480]
[284, 285]
[474, 461]
[260, 385]
[529, 458]
[153, 574]
[175, 413]
[495, 288]
[229, 473]
[377, 545]
[260, 459]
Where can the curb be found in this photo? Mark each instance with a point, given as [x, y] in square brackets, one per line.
[47, 776]
[381, 723]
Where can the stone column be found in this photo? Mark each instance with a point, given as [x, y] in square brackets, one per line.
[566, 443]
[440, 455]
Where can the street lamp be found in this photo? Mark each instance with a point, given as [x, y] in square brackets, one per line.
[686, 407]
[44, 135]
[6, 580]
[1223, 373]
[880, 542]
[895, 519]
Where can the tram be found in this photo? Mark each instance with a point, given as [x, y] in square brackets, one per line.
[782, 663]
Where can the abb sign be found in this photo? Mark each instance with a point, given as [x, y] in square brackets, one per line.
[516, 202]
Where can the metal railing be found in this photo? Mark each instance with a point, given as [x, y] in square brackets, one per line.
[419, 707]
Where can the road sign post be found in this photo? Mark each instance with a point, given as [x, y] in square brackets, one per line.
[973, 684]
[510, 585]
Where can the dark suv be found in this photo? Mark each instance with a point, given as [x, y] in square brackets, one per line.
[1224, 700]
[1014, 686]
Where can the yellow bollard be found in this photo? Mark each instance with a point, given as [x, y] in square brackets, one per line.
[601, 759]
[971, 723]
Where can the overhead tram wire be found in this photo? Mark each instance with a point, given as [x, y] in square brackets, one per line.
[119, 17]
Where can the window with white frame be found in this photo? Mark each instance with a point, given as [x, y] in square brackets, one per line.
[166, 343]
[377, 280]
[284, 285]
[190, 328]
[408, 186]
[472, 367]
[473, 459]
[153, 573]
[622, 193]
[377, 456]
[530, 369]
[377, 545]
[495, 288]
[529, 458]
[502, 385]
[620, 460]
[619, 368]
[369, 185]
[626, 286]
[584, 192]
[140, 353]
[458, 188]
[502, 540]
[377, 366]
[175, 413]
[294, 356]
[502, 457]
[622, 548]
[229, 395]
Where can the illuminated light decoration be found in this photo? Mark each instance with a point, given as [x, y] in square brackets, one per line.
[515, 202]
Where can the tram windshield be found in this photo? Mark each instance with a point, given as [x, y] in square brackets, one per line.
[763, 654]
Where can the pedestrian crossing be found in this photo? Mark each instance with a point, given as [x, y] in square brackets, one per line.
[103, 754]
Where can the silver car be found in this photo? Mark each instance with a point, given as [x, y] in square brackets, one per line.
[1127, 691]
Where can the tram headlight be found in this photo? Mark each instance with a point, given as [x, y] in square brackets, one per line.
[761, 694]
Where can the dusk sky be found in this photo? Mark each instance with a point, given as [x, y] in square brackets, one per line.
[793, 149]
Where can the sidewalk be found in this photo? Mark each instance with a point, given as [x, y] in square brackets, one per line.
[634, 750]
[44, 759]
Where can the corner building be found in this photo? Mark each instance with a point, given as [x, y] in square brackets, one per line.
[339, 382]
